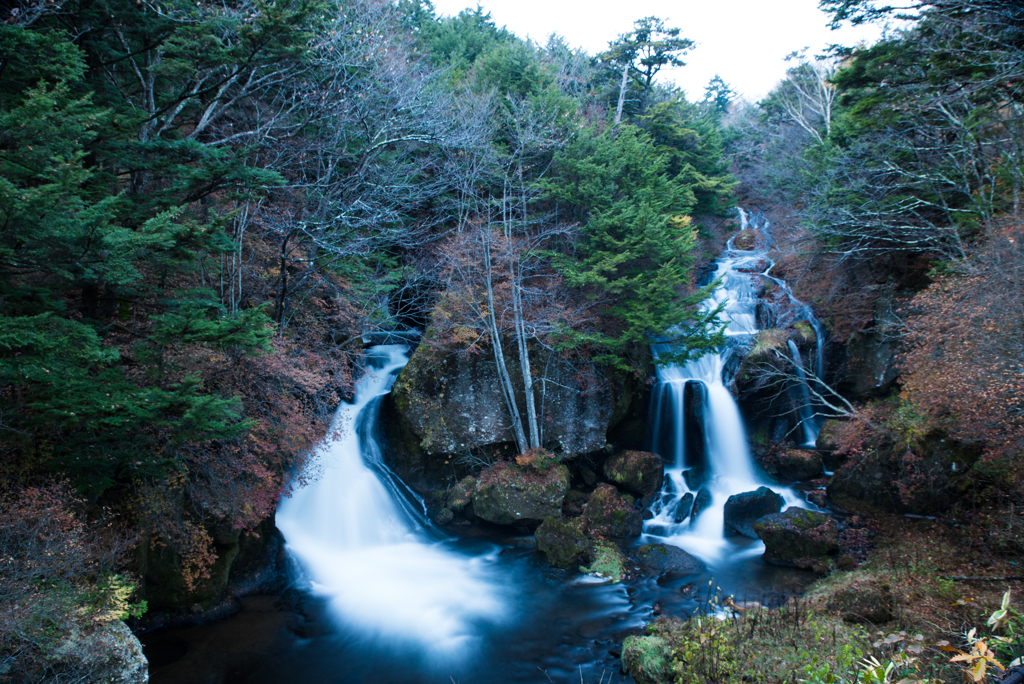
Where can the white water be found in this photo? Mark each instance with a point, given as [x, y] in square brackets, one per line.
[729, 467]
[365, 548]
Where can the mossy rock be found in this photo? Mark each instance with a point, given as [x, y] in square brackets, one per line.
[562, 542]
[606, 561]
[510, 495]
[660, 559]
[799, 538]
[798, 464]
[858, 598]
[742, 510]
[609, 514]
[647, 659]
[639, 472]
[461, 495]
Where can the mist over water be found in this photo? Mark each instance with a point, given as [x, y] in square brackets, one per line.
[365, 546]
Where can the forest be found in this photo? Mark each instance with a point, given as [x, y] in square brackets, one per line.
[208, 212]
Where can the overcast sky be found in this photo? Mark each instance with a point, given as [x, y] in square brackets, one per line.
[744, 41]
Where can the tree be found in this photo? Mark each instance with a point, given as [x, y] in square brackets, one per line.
[633, 254]
[640, 54]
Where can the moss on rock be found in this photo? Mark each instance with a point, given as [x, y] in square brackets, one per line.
[800, 538]
[609, 514]
[563, 543]
[606, 562]
[639, 472]
[507, 494]
[647, 659]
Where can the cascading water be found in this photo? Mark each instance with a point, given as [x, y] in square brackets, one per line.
[366, 546]
[689, 512]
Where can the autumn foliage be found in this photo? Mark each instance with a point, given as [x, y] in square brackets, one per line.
[964, 364]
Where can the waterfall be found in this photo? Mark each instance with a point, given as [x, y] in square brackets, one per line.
[363, 541]
[706, 481]
[802, 399]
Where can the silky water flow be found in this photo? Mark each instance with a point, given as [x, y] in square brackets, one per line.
[697, 428]
[363, 542]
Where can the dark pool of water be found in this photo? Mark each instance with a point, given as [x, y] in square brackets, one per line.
[563, 628]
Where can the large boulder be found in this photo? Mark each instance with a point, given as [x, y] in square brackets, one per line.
[447, 403]
[798, 464]
[924, 482]
[799, 538]
[105, 653]
[638, 472]
[508, 494]
[743, 510]
[562, 542]
[660, 559]
[609, 514]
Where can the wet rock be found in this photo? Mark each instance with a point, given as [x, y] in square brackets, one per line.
[638, 472]
[562, 542]
[798, 464]
[742, 510]
[106, 653]
[606, 561]
[588, 476]
[700, 502]
[862, 599]
[818, 497]
[443, 516]
[799, 538]
[695, 399]
[659, 559]
[683, 507]
[510, 495]
[461, 495]
[609, 514]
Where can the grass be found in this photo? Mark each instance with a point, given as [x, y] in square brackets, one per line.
[806, 640]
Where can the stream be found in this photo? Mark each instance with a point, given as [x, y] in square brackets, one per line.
[380, 594]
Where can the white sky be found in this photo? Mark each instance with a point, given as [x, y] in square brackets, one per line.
[744, 41]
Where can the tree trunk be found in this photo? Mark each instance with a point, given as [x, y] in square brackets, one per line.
[622, 93]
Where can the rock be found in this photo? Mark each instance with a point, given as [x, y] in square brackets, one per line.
[446, 403]
[683, 507]
[638, 472]
[588, 476]
[700, 502]
[106, 653]
[828, 435]
[606, 562]
[695, 400]
[647, 659]
[562, 542]
[508, 494]
[871, 354]
[608, 514]
[799, 538]
[461, 495]
[864, 599]
[443, 516]
[798, 464]
[742, 510]
[818, 497]
[658, 559]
